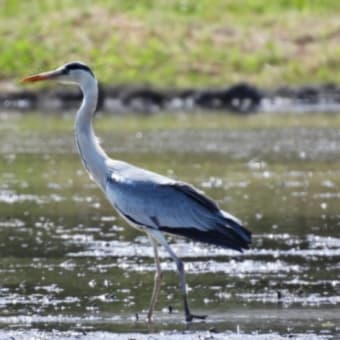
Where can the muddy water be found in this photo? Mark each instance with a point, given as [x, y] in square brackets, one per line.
[70, 267]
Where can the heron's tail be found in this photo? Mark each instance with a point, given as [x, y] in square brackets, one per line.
[234, 234]
[220, 229]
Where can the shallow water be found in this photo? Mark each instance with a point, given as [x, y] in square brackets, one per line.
[70, 267]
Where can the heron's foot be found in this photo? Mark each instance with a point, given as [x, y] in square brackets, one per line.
[189, 317]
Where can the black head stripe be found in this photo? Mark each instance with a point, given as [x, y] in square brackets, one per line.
[77, 66]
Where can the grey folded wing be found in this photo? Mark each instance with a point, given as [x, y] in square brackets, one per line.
[155, 201]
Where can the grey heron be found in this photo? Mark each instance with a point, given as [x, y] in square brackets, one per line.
[148, 201]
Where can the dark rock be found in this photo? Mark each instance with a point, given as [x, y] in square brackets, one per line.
[143, 99]
[284, 92]
[19, 100]
[70, 97]
[331, 92]
[308, 94]
[210, 99]
[240, 98]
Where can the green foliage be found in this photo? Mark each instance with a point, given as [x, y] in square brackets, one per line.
[175, 42]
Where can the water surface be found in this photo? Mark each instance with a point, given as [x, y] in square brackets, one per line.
[69, 265]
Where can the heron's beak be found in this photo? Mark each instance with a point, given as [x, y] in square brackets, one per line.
[42, 76]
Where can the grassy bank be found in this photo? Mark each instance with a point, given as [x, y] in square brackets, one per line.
[175, 42]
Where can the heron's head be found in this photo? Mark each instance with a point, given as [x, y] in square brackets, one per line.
[72, 73]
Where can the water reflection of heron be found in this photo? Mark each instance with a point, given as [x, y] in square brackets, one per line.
[148, 201]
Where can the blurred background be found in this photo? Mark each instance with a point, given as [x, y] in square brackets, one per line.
[176, 43]
[239, 98]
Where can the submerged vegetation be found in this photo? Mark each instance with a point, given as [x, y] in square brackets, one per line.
[177, 42]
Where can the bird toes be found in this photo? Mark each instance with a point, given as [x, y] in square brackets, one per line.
[190, 317]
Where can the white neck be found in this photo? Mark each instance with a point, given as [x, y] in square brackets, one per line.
[91, 154]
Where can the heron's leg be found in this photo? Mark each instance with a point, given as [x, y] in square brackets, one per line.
[158, 279]
[180, 267]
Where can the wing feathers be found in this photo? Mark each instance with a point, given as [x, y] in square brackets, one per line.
[216, 237]
[148, 199]
[194, 194]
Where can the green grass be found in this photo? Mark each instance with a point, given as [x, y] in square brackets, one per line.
[175, 42]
